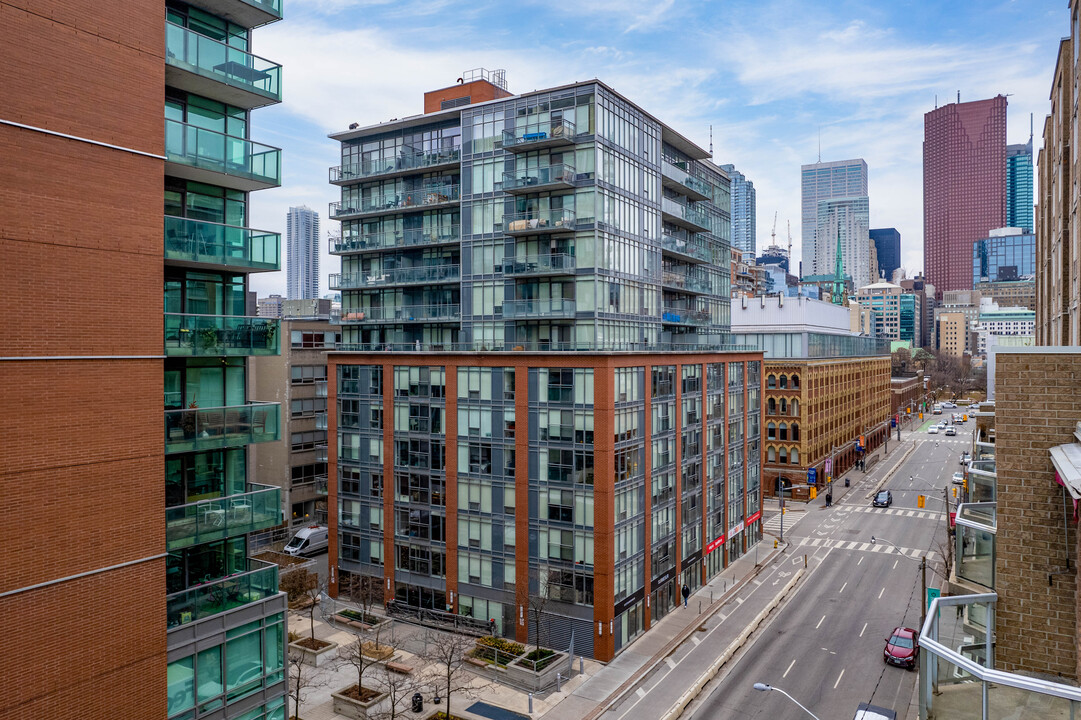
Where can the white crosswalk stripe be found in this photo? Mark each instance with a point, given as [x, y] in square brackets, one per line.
[791, 517]
[880, 548]
[921, 514]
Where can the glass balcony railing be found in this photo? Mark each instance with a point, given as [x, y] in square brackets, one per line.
[538, 308]
[536, 222]
[554, 264]
[217, 244]
[405, 200]
[395, 239]
[195, 429]
[687, 215]
[204, 149]
[219, 518]
[541, 134]
[975, 526]
[685, 281]
[220, 335]
[539, 178]
[684, 316]
[209, 58]
[690, 345]
[677, 173]
[397, 276]
[258, 580]
[403, 313]
[695, 247]
[401, 164]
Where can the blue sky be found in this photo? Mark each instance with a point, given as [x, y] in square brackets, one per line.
[766, 75]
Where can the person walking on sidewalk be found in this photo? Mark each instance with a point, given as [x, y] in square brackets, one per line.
[686, 592]
[829, 498]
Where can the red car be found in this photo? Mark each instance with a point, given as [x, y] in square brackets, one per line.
[902, 648]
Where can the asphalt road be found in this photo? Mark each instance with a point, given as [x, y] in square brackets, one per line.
[824, 644]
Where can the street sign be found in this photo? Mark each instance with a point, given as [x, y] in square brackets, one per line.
[932, 593]
[812, 476]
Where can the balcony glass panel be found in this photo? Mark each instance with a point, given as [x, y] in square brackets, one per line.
[685, 281]
[209, 150]
[188, 50]
[271, 6]
[685, 212]
[678, 172]
[539, 134]
[217, 244]
[394, 239]
[539, 221]
[403, 313]
[193, 429]
[684, 316]
[693, 247]
[975, 543]
[216, 335]
[404, 200]
[219, 518]
[537, 308]
[397, 276]
[413, 161]
[259, 581]
[535, 264]
[529, 178]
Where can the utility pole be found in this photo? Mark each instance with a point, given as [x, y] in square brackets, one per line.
[923, 596]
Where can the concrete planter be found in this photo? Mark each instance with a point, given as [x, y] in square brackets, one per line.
[520, 673]
[316, 658]
[350, 708]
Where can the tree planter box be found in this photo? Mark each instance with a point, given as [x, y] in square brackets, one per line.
[317, 658]
[358, 624]
[350, 708]
[520, 672]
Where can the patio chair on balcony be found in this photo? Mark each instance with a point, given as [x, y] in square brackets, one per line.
[258, 422]
[237, 422]
[211, 422]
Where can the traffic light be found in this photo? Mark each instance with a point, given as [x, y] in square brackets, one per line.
[920, 501]
[921, 416]
[955, 492]
[814, 493]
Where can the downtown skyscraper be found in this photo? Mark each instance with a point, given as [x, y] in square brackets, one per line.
[744, 214]
[964, 186]
[826, 181]
[302, 254]
[1019, 175]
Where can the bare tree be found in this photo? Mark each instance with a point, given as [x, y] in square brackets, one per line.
[316, 588]
[302, 678]
[539, 598]
[448, 653]
[399, 688]
[367, 592]
[295, 583]
[901, 362]
[365, 654]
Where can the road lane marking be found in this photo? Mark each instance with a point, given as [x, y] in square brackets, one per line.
[861, 560]
[839, 679]
[740, 600]
[824, 617]
[842, 588]
[864, 628]
[789, 668]
[696, 640]
[640, 692]
[895, 564]
[880, 592]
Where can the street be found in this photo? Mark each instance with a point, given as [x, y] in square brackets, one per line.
[824, 645]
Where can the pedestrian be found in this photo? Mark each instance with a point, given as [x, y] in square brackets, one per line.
[829, 499]
[686, 592]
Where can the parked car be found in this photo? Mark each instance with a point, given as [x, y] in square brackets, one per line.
[949, 405]
[902, 648]
[883, 498]
[958, 478]
[308, 541]
[951, 431]
[933, 430]
[965, 457]
[866, 711]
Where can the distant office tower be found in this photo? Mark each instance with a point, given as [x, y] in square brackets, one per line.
[964, 186]
[1019, 186]
[842, 222]
[743, 211]
[302, 259]
[774, 255]
[888, 244]
[1007, 255]
[825, 181]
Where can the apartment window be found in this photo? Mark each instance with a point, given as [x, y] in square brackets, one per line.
[307, 407]
[308, 374]
[314, 340]
[308, 440]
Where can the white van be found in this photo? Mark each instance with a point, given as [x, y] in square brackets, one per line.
[308, 541]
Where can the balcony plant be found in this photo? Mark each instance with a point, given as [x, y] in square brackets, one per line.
[187, 420]
[209, 338]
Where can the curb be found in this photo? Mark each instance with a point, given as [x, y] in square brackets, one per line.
[685, 699]
[891, 471]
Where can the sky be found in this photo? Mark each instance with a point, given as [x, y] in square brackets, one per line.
[770, 77]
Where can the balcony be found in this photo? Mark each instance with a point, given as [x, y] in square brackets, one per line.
[403, 314]
[259, 580]
[559, 176]
[220, 335]
[685, 282]
[536, 265]
[411, 164]
[207, 156]
[424, 198]
[683, 316]
[397, 276]
[975, 543]
[685, 216]
[247, 13]
[208, 520]
[197, 429]
[551, 307]
[321, 487]
[693, 249]
[676, 177]
[537, 136]
[414, 237]
[539, 222]
[224, 247]
[207, 67]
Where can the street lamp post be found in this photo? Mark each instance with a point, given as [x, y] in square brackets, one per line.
[768, 688]
[923, 579]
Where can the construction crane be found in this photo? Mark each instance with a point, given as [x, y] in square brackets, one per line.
[773, 235]
[789, 240]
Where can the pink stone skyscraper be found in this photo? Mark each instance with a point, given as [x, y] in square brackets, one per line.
[964, 186]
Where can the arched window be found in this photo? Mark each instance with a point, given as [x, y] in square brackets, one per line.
[771, 431]
[795, 382]
[795, 408]
[771, 454]
[782, 456]
[795, 456]
[771, 382]
[771, 407]
[795, 431]
[784, 406]
[783, 431]
[784, 382]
